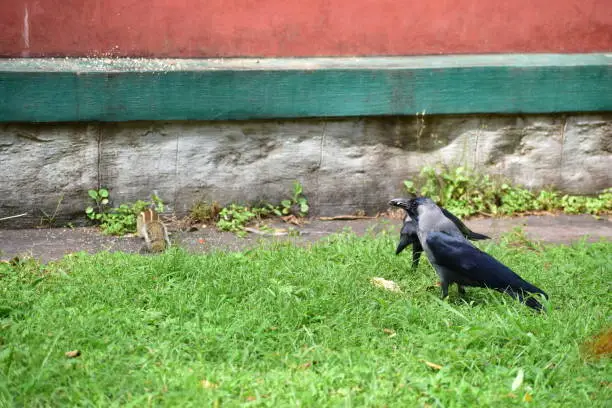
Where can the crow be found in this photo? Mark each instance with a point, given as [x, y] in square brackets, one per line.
[408, 233]
[456, 260]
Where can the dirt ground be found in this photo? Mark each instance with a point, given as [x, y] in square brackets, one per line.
[53, 243]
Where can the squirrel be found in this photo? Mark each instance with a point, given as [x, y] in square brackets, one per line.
[154, 232]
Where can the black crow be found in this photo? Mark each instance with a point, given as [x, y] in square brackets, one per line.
[408, 236]
[408, 233]
[456, 260]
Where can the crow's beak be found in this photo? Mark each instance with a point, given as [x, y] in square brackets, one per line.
[401, 203]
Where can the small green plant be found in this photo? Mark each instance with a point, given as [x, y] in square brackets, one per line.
[235, 217]
[299, 199]
[156, 202]
[49, 219]
[202, 211]
[296, 205]
[518, 238]
[119, 220]
[466, 193]
[100, 198]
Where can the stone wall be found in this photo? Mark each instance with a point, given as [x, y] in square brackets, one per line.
[344, 164]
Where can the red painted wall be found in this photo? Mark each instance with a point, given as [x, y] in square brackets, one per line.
[214, 28]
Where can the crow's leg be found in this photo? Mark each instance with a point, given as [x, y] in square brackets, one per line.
[416, 256]
[444, 286]
[417, 249]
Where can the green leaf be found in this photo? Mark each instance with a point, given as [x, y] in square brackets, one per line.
[286, 203]
[103, 192]
[89, 210]
[409, 185]
[104, 201]
[297, 188]
[93, 194]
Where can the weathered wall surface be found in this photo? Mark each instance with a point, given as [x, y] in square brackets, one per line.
[343, 164]
[266, 28]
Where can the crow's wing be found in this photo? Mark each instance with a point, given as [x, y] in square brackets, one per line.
[468, 233]
[475, 236]
[404, 241]
[474, 267]
[408, 235]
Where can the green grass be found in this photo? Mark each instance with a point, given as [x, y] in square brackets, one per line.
[288, 326]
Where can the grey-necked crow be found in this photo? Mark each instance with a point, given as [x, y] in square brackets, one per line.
[456, 260]
[408, 233]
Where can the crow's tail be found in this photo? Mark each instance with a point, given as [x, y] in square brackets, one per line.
[469, 234]
[528, 287]
[474, 236]
[523, 291]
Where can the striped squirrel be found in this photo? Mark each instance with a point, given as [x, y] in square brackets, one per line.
[154, 232]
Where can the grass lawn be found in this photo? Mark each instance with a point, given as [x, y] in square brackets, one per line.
[289, 326]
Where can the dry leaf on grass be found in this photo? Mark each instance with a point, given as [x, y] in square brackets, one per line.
[432, 365]
[72, 353]
[385, 284]
[308, 364]
[434, 286]
[390, 332]
[208, 385]
[599, 345]
[518, 380]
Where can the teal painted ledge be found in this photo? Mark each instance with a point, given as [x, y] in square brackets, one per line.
[56, 90]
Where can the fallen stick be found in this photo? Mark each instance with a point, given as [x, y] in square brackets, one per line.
[13, 216]
[346, 218]
[273, 233]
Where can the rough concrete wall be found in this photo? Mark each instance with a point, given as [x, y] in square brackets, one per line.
[343, 164]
